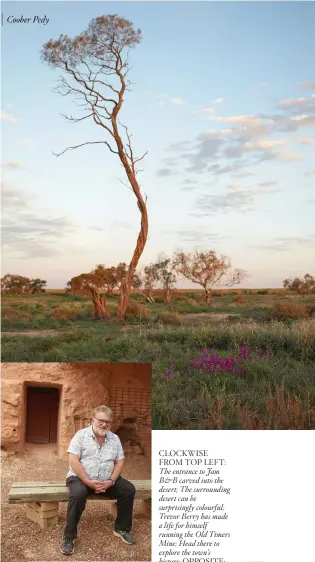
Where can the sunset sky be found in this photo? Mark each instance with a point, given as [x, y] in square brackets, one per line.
[223, 99]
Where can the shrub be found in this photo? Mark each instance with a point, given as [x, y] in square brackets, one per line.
[238, 299]
[10, 315]
[180, 298]
[136, 310]
[293, 310]
[311, 311]
[169, 318]
[264, 292]
[64, 311]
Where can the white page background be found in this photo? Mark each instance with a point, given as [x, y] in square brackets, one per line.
[272, 503]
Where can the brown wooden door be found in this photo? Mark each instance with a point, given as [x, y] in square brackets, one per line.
[42, 415]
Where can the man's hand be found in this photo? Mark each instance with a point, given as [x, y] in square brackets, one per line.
[103, 486]
[94, 484]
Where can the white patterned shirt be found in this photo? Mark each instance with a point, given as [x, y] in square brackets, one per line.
[97, 460]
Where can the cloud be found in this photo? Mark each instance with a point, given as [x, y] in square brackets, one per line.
[14, 199]
[26, 234]
[307, 85]
[236, 185]
[306, 141]
[237, 197]
[26, 143]
[310, 173]
[207, 150]
[285, 244]
[246, 140]
[8, 117]
[120, 224]
[207, 205]
[267, 183]
[177, 101]
[208, 110]
[199, 236]
[264, 144]
[33, 236]
[164, 172]
[177, 146]
[218, 100]
[219, 170]
[189, 185]
[97, 228]
[233, 118]
[243, 174]
[14, 165]
[267, 189]
[189, 181]
[297, 103]
[288, 156]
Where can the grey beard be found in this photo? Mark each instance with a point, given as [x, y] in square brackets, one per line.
[100, 432]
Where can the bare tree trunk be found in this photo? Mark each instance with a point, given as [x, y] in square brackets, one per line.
[168, 295]
[125, 288]
[148, 297]
[208, 296]
[100, 306]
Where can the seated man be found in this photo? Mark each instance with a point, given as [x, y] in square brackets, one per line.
[96, 460]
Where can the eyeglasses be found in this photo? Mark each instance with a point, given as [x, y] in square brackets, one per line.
[103, 422]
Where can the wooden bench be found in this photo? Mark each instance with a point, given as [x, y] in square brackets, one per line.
[42, 499]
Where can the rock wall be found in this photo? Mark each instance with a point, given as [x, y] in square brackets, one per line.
[82, 387]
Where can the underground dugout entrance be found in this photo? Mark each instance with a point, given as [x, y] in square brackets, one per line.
[42, 405]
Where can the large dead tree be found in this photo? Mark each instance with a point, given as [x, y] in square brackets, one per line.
[94, 66]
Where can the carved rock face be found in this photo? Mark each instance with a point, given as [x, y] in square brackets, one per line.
[125, 387]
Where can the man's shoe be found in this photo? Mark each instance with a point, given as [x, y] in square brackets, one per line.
[125, 536]
[67, 545]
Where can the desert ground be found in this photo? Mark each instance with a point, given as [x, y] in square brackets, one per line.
[246, 361]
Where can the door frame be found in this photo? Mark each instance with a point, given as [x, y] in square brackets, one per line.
[44, 384]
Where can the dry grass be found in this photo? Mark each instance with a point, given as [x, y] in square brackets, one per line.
[170, 318]
[23, 540]
[283, 411]
[11, 315]
[293, 310]
[136, 310]
[64, 311]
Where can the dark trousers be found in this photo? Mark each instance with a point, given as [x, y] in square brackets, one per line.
[123, 491]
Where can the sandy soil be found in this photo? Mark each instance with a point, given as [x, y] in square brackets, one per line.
[202, 316]
[23, 540]
[33, 333]
[217, 316]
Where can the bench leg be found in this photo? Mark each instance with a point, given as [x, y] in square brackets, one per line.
[112, 509]
[145, 507]
[43, 513]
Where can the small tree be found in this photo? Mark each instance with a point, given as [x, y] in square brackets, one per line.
[137, 282]
[304, 286]
[15, 284]
[37, 285]
[205, 268]
[87, 62]
[166, 277]
[91, 284]
[112, 276]
[151, 279]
